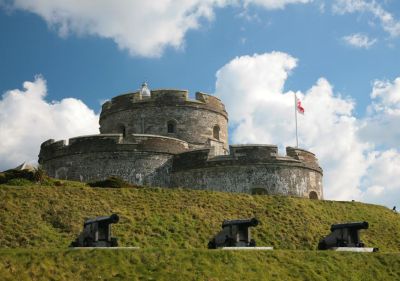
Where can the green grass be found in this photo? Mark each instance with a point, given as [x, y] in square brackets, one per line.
[196, 264]
[51, 217]
[172, 228]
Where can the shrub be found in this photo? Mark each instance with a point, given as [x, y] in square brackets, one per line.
[19, 174]
[111, 182]
[39, 175]
[7, 176]
[19, 182]
[3, 178]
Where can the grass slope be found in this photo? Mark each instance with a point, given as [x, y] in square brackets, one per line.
[195, 264]
[51, 217]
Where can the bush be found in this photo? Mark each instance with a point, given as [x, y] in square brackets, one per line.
[37, 175]
[19, 182]
[9, 175]
[3, 178]
[111, 182]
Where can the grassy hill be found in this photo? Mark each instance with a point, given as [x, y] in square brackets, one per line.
[196, 264]
[50, 216]
[173, 226]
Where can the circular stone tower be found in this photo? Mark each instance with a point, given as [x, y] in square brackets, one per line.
[163, 138]
[202, 122]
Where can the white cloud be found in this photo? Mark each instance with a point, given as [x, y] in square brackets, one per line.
[261, 111]
[274, 4]
[387, 20]
[27, 119]
[388, 95]
[381, 124]
[144, 28]
[359, 40]
[382, 180]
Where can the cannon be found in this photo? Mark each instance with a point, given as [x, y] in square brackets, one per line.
[97, 233]
[344, 235]
[234, 233]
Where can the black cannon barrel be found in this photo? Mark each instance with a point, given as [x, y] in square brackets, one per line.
[244, 222]
[354, 225]
[114, 218]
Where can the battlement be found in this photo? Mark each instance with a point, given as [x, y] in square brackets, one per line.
[254, 152]
[246, 155]
[160, 97]
[164, 138]
[111, 142]
[303, 156]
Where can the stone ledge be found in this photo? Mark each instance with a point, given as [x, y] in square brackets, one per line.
[241, 155]
[163, 97]
[111, 143]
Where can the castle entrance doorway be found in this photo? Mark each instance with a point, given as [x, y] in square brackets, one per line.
[313, 195]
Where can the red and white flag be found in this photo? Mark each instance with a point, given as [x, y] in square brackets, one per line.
[300, 109]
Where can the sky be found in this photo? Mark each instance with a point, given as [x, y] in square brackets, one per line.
[61, 59]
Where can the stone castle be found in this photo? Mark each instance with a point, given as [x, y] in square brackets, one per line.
[163, 138]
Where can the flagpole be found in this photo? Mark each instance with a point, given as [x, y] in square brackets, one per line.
[295, 117]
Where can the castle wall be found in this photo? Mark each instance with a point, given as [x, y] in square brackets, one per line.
[169, 140]
[194, 120]
[139, 159]
[256, 169]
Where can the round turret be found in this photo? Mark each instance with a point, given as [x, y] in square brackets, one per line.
[202, 122]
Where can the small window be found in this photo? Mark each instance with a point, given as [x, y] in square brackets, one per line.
[122, 130]
[171, 127]
[216, 132]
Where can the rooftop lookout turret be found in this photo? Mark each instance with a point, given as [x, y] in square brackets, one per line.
[201, 122]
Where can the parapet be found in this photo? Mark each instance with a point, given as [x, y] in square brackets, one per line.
[246, 155]
[163, 97]
[212, 101]
[254, 152]
[111, 143]
[302, 155]
[169, 95]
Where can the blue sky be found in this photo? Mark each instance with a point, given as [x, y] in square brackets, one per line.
[92, 52]
[93, 68]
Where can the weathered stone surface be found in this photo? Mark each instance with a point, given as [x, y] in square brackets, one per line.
[194, 120]
[185, 144]
[249, 168]
[139, 159]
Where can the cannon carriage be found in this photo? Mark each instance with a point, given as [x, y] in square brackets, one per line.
[345, 235]
[234, 233]
[97, 233]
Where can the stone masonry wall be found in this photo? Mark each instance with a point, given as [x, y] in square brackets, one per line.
[135, 145]
[139, 159]
[250, 169]
[194, 120]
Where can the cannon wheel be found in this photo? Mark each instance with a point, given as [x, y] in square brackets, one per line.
[74, 244]
[212, 244]
[88, 242]
[114, 242]
[322, 245]
[229, 242]
[341, 243]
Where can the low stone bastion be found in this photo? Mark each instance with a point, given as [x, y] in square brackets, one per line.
[139, 159]
[255, 169]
